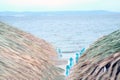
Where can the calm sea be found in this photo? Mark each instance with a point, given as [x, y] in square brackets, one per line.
[69, 32]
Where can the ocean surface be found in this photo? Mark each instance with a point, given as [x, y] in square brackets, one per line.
[68, 32]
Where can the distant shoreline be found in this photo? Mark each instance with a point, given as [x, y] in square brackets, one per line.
[35, 13]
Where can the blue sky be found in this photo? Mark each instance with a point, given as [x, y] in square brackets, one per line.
[59, 5]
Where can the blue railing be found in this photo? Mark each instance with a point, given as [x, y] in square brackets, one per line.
[71, 59]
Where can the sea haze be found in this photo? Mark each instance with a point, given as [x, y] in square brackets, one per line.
[69, 31]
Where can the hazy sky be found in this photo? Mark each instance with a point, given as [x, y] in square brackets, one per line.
[59, 5]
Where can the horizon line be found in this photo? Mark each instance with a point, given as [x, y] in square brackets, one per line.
[63, 11]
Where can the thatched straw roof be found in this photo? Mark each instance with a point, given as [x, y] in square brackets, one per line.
[25, 57]
[101, 61]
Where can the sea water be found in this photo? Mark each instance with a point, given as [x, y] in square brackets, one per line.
[70, 33]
